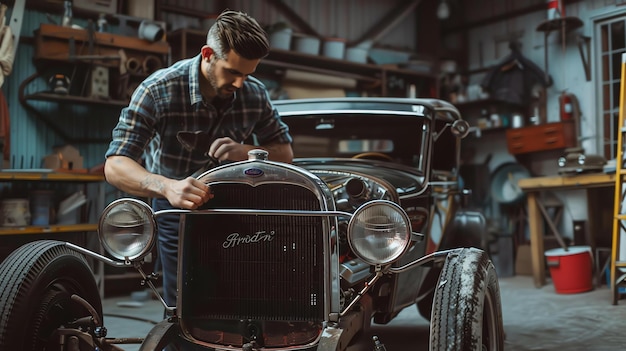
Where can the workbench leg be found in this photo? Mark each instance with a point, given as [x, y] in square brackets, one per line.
[535, 224]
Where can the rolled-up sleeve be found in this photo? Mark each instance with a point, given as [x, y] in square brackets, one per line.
[135, 127]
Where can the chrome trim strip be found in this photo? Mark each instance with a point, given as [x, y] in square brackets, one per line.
[437, 256]
[318, 113]
[256, 212]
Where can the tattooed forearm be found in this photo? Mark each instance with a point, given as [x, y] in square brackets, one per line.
[152, 184]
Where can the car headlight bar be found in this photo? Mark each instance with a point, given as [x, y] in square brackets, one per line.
[379, 231]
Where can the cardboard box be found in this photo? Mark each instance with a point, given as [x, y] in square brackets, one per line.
[141, 8]
[65, 157]
[104, 6]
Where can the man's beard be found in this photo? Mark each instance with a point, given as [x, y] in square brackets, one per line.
[221, 92]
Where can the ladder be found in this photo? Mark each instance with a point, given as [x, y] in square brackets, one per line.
[15, 23]
[618, 259]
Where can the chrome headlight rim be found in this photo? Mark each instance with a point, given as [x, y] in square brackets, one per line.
[405, 221]
[150, 221]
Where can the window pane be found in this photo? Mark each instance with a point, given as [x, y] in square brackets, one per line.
[605, 67]
[607, 126]
[614, 133]
[604, 38]
[616, 65]
[617, 35]
[615, 102]
[606, 97]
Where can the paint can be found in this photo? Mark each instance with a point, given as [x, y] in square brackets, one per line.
[14, 213]
[41, 206]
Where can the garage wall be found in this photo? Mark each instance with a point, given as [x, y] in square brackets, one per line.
[32, 139]
[488, 44]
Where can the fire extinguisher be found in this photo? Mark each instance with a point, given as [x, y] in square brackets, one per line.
[555, 9]
[568, 106]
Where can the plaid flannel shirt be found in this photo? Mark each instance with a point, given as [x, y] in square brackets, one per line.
[168, 107]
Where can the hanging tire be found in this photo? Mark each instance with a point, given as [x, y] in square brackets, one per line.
[467, 311]
[36, 284]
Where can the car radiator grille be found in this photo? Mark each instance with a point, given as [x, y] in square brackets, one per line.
[254, 267]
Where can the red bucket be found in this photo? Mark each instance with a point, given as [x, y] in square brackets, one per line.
[571, 269]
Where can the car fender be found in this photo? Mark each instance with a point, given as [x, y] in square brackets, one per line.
[468, 228]
[160, 336]
[331, 340]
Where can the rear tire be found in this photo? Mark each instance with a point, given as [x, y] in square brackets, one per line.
[467, 311]
[36, 284]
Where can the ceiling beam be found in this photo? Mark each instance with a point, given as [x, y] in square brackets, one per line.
[392, 19]
[294, 18]
[463, 26]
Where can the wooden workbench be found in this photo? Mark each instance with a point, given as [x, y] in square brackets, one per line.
[533, 187]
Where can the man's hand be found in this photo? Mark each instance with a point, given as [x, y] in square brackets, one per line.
[227, 149]
[188, 193]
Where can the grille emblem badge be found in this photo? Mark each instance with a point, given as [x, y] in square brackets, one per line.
[235, 239]
[253, 172]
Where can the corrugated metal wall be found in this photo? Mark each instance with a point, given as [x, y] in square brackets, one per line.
[348, 19]
[31, 138]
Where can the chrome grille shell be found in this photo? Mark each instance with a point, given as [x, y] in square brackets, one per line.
[247, 276]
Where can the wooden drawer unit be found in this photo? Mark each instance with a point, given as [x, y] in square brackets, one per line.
[549, 136]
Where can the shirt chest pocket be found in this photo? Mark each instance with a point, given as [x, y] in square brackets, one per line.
[194, 141]
[190, 133]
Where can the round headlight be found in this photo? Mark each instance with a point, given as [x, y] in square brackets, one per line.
[581, 160]
[127, 229]
[379, 232]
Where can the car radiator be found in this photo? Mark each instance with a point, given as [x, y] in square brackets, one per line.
[249, 277]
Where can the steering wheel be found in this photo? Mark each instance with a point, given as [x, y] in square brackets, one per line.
[373, 156]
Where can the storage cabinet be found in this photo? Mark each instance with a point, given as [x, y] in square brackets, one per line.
[543, 137]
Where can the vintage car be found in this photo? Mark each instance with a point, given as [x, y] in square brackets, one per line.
[575, 161]
[367, 221]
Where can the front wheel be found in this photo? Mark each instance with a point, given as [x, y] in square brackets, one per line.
[37, 282]
[467, 311]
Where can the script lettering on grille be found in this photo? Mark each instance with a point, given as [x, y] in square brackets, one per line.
[235, 239]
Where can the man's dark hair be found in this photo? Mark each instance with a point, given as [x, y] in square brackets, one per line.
[238, 31]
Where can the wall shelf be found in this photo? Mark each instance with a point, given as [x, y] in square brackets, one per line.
[51, 97]
[371, 79]
[121, 62]
[49, 229]
[48, 175]
[565, 25]
[12, 237]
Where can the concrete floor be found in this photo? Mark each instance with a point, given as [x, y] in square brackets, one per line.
[534, 319]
